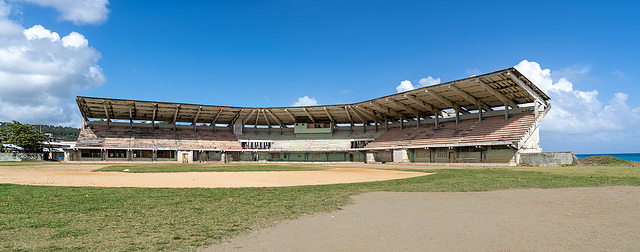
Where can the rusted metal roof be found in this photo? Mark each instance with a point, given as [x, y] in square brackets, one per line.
[485, 92]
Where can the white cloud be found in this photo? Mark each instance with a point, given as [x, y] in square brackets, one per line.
[305, 101]
[429, 81]
[473, 72]
[78, 11]
[406, 85]
[75, 39]
[41, 73]
[39, 32]
[579, 117]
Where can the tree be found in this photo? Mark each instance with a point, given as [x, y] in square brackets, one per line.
[23, 135]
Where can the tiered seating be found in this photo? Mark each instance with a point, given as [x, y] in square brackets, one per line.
[445, 133]
[495, 129]
[161, 138]
[491, 129]
[389, 138]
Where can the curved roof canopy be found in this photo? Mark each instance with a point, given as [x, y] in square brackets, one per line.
[485, 92]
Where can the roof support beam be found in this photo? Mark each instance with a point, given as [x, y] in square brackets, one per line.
[291, 115]
[348, 115]
[371, 112]
[470, 98]
[282, 125]
[175, 116]
[153, 117]
[196, 118]
[329, 115]
[213, 123]
[246, 119]
[309, 115]
[366, 113]
[527, 88]
[386, 110]
[106, 112]
[265, 118]
[130, 116]
[405, 107]
[364, 122]
[449, 103]
[235, 118]
[497, 94]
[421, 103]
[257, 118]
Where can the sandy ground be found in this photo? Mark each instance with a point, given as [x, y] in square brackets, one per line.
[81, 175]
[568, 219]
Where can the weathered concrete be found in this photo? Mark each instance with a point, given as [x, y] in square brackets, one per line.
[21, 156]
[549, 158]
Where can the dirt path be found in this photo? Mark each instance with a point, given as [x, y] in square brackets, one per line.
[81, 175]
[568, 219]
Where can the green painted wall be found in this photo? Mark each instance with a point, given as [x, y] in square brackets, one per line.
[500, 155]
[301, 128]
[412, 156]
[470, 156]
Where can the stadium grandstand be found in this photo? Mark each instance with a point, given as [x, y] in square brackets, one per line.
[489, 118]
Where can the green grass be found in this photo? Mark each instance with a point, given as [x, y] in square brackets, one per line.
[26, 163]
[92, 218]
[180, 167]
[606, 160]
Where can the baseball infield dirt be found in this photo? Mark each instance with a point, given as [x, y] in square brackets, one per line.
[81, 175]
[567, 219]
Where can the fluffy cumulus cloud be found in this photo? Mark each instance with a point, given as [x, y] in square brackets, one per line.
[305, 101]
[78, 11]
[579, 117]
[406, 85]
[41, 72]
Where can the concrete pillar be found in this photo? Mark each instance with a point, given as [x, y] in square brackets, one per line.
[506, 111]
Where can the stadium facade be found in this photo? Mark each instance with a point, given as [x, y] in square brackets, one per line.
[490, 118]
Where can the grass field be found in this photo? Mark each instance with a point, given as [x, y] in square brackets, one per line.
[91, 218]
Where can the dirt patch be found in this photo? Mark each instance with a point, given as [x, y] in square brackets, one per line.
[81, 175]
[567, 219]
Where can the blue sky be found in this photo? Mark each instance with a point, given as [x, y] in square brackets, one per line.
[271, 53]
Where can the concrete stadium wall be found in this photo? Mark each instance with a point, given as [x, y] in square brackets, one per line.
[21, 156]
[548, 158]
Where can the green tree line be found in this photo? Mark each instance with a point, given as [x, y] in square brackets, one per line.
[68, 133]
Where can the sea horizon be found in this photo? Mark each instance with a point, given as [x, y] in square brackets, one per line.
[625, 156]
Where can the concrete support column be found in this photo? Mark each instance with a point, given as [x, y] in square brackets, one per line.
[506, 111]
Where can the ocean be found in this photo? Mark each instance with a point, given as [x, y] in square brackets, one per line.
[625, 156]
